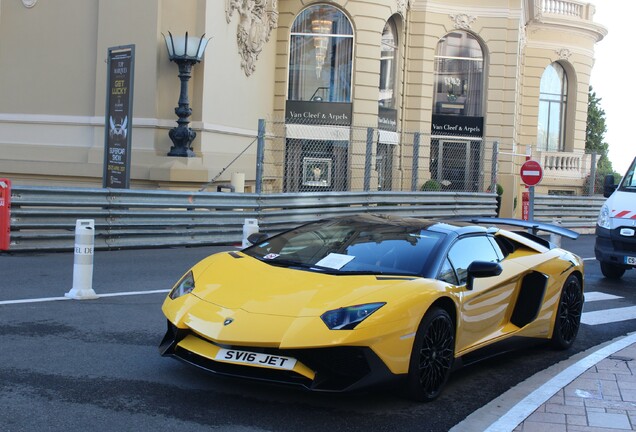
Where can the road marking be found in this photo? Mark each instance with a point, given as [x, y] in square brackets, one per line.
[531, 173]
[50, 299]
[597, 296]
[607, 316]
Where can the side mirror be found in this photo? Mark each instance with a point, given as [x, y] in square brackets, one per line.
[482, 269]
[608, 185]
[256, 237]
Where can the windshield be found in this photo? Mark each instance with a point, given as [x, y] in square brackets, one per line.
[628, 184]
[348, 246]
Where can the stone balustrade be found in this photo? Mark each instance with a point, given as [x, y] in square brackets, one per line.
[568, 8]
[565, 164]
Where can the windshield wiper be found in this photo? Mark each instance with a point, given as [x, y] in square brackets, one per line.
[330, 270]
[295, 264]
[283, 262]
[377, 273]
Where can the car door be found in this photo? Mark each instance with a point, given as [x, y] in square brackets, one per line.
[483, 309]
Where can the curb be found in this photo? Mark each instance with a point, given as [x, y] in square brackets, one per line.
[510, 409]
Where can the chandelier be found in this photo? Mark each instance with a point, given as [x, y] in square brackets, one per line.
[320, 27]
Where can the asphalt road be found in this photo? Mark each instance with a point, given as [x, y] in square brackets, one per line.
[94, 365]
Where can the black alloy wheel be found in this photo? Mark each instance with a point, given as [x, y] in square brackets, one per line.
[568, 318]
[612, 271]
[432, 356]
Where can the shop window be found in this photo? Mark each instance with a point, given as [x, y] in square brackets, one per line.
[321, 56]
[457, 123]
[315, 165]
[459, 75]
[388, 137]
[552, 103]
[388, 64]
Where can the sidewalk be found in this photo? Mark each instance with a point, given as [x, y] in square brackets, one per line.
[592, 392]
[601, 398]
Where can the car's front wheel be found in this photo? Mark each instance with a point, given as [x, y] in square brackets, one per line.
[568, 318]
[612, 271]
[432, 356]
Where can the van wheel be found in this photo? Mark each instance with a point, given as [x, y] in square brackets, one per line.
[611, 271]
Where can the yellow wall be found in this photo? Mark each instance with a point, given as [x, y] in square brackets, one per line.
[52, 91]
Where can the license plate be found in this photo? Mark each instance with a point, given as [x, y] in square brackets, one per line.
[257, 359]
[630, 260]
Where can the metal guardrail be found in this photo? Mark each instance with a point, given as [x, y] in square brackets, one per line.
[43, 218]
[570, 211]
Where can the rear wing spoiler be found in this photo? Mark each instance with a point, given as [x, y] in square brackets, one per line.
[535, 226]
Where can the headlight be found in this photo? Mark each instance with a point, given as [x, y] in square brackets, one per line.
[183, 287]
[348, 318]
[604, 217]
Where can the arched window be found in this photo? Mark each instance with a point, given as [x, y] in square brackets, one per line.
[388, 64]
[459, 75]
[387, 114]
[321, 53]
[457, 123]
[552, 102]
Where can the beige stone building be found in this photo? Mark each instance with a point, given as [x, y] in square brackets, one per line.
[464, 74]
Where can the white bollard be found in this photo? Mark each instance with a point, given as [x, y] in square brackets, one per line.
[83, 261]
[238, 181]
[555, 238]
[249, 227]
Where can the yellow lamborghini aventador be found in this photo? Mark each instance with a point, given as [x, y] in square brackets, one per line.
[348, 302]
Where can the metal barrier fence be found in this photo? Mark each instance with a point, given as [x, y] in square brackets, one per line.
[569, 211]
[311, 157]
[43, 218]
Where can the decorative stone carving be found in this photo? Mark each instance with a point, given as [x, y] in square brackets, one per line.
[29, 3]
[257, 20]
[463, 21]
[523, 37]
[402, 6]
[563, 53]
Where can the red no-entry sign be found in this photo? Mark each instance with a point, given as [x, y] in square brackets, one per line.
[531, 173]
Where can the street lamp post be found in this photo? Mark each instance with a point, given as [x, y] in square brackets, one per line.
[185, 52]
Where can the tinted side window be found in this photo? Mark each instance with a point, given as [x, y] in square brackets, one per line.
[498, 251]
[447, 274]
[469, 249]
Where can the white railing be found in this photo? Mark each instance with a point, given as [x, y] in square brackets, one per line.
[564, 7]
[565, 164]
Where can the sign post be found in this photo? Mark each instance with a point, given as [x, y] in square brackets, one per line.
[5, 213]
[531, 175]
[119, 98]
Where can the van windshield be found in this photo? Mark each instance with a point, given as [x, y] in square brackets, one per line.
[628, 184]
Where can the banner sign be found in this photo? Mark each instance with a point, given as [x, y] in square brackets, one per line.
[119, 98]
[458, 126]
[318, 113]
[387, 119]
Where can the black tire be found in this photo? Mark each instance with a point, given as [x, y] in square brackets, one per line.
[568, 317]
[432, 356]
[612, 271]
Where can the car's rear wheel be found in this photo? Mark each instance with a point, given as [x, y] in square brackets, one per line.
[568, 318]
[612, 271]
[432, 356]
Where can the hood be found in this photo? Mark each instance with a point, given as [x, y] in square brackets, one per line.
[622, 205]
[237, 281]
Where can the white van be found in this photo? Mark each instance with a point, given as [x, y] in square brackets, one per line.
[615, 246]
